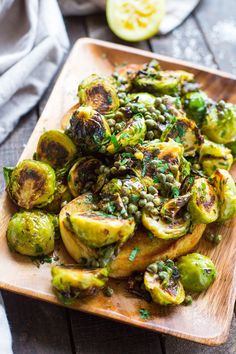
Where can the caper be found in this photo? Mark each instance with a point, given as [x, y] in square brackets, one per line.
[119, 115]
[151, 123]
[169, 178]
[106, 170]
[118, 126]
[170, 263]
[111, 122]
[157, 201]
[157, 102]
[167, 115]
[162, 107]
[152, 190]
[122, 168]
[210, 237]
[154, 163]
[125, 191]
[196, 166]
[162, 177]
[158, 113]
[132, 208]
[217, 239]
[156, 133]
[108, 291]
[142, 202]
[149, 205]
[188, 300]
[117, 164]
[152, 268]
[125, 200]
[174, 169]
[149, 197]
[148, 116]
[143, 194]
[150, 135]
[113, 170]
[101, 169]
[94, 263]
[161, 119]
[138, 215]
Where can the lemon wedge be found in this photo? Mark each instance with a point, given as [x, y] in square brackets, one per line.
[135, 20]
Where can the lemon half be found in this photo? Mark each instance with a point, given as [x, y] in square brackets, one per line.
[135, 20]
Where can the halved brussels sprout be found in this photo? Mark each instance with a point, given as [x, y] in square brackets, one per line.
[83, 173]
[220, 123]
[186, 132]
[31, 184]
[88, 129]
[226, 190]
[77, 249]
[161, 280]
[55, 148]
[171, 208]
[197, 272]
[31, 233]
[62, 196]
[99, 93]
[96, 228]
[165, 229]
[203, 205]
[132, 134]
[65, 121]
[143, 98]
[214, 156]
[152, 249]
[71, 282]
[195, 105]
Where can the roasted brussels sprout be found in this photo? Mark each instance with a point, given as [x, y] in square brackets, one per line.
[83, 174]
[186, 132]
[62, 196]
[232, 147]
[143, 98]
[55, 148]
[220, 123]
[31, 233]
[195, 105]
[31, 184]
[197, 272]
[226, 190]
[132, 134]
[77, 249]
[71, 282]
[203, 205]
[88, 129]
[214, 156]
[163, 228]
[65, 121]
[161, 279]
[96, 228]
[99, 93]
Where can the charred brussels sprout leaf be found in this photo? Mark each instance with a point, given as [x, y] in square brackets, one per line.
[186, 132]
[62, 196]
[203, 205]
[55, 148]
[214, 156]
[132, 134]
[71, 282]
[161, 279]
[32, 184]
[197, 272]
[99, 93]
[232, 147]
[226, 190]
[96, 228]
[220, 123]
[143, 98]
[31, 233]
[164, 228]
[83, 174]
[88, 129]
[195, 104]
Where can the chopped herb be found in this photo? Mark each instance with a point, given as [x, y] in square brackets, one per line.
[178, 140]
[124, 135]
[109, 99]
[156, 179]
[133, 254]
[123, 162]
[175, 192]
[144, 314]
[150, 236]
[180, 130]
[115, 142]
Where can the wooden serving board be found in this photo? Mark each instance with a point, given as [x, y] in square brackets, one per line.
[208, 319]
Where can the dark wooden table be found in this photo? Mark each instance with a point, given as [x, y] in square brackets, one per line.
[207, 37]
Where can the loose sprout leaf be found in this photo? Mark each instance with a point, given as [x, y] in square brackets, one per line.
[175, 192]
[115, 142]
[134, 253]
[7, 171]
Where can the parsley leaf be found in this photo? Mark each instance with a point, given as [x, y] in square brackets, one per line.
[144, 314]
[133, 253]
[115, 142]
[175, 192]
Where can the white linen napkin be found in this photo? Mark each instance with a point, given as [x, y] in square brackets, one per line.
[5, 335]
[33, 42]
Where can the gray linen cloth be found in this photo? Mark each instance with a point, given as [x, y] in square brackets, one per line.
[33, 42]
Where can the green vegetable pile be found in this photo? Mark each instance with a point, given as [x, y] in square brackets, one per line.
[141, 166]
